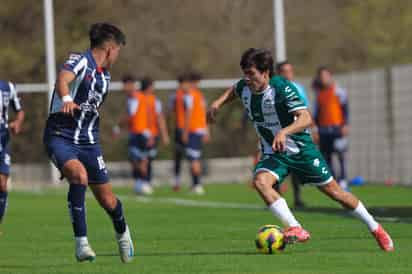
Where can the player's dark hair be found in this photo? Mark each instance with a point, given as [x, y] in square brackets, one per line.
[145, 83]
[127, 78]
[260, 58]
[184, 77]
[323, 68]
[102, 32]
[279, 66]
[195, 76]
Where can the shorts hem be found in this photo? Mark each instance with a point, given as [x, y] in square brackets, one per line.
[262, 169]
[329, 180]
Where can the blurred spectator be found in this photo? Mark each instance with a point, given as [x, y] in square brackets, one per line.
[331, 115]
[286, 70]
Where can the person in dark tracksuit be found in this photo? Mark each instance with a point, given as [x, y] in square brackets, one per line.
[331, 114]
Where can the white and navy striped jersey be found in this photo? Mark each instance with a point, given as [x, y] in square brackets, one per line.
[88, 90]
[8, 96]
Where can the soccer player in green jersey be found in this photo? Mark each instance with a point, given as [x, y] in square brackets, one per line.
[281, 120]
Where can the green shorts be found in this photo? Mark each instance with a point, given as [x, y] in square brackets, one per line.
[309, 165]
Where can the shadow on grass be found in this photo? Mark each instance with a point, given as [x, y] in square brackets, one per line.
[384, 214]
[188, 253]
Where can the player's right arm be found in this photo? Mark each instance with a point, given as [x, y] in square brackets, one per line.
[64, 79]
[228, 96]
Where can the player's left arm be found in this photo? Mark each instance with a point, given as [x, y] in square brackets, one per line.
[302, 117]
[16, 125]
[343, 99]
[164, 133]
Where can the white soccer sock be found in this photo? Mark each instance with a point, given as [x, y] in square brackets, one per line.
[81, 241]
[281, 210]
[362, 214]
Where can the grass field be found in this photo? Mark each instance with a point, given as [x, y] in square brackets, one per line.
[181, 233]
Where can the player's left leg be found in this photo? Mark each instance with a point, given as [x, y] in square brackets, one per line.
[3, 195]
[113, 207]
[93, 161]
[194, 154]
[352, 203]
[4, 176]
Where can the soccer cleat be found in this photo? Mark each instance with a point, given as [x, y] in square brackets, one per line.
[85, 253]
[126, 248]
[384, 240]
[198, 190]
[176, 188]
[143, 189]
[296, 234]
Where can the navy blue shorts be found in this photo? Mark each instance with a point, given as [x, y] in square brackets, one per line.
[61, 150]
[194, 146]
[4, 153]
[153, 149]
[138, 148]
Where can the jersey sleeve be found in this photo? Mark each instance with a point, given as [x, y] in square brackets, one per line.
[14, 98]
[158, 106]
[75, 63]
[132, 106]
[343, 99]
[292, 99]
[238, 87]
[188, 101]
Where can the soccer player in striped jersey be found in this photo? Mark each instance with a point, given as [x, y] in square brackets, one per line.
[281, 120]
[8, 97]
[71, 136]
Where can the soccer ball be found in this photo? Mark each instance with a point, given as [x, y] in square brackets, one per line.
[270, 239]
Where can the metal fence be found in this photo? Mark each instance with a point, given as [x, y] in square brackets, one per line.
[380, 131]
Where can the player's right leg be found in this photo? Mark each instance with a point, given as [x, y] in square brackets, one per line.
[268, 173]
[138, 156]
[179, 153]
[194, 154]
[3, 196]
[64, 156]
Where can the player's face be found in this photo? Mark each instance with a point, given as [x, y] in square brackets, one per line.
[113, 51]
[185, 86]
[129, 88]
[325, 78]
[256, 80]
[287, 72]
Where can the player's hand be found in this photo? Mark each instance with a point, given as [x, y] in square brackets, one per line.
[185, 137]
[211, 114]
[150, 142]
[344, 130]
[206, 138]
[15, 127]
[69, 108]
[166, 140]
[279, 143]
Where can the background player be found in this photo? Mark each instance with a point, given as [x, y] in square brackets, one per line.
[286, 70]
[195, 131]
[331, 115]
[156, 123]
[281, 120]
[71, 136]
[8, 96]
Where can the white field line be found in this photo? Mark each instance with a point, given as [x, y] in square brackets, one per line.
[191, 203]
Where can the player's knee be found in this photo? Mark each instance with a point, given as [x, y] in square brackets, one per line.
[3, 183]
[108, 201]
[79, 177]
[260, 183]
[195, 167]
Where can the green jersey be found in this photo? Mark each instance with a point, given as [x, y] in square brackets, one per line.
[271, 110]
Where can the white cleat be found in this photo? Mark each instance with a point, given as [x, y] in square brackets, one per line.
[143, 189]
[198, 190]
[85, 253]
[126, 248]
